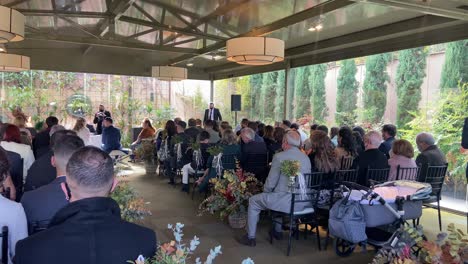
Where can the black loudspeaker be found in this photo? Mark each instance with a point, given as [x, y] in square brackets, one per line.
[235, 102]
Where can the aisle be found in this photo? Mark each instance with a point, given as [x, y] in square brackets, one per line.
[170, 205]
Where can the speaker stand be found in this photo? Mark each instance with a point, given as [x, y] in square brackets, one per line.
[235, 118]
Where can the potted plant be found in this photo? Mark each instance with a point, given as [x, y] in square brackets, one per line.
[230, 196]
[132, 207]
[146, 152]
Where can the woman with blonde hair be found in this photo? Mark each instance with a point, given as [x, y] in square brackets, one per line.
[81, 130]
[26, 137]
[322, 156]
[401, 154]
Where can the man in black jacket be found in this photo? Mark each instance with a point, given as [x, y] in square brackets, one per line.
[41, 142]
[42, 204]
[212, 114]
[41, 171]
[388, 135]
[89, 229]
[192, 131]
[372, 157]
[99, 118]
[430, 154]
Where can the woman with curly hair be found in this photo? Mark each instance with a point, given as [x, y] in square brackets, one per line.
[346, 151]
[322, 156]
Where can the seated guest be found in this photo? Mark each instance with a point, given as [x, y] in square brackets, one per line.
[223, 126]
[360, 130]
[275, 147]
[251, 147]
[41, 204]
[254, 127]
[301, 132]
[41, 141]
[430, 154]
[388, 134]
[26, 137]
[89, 229]
[402, 154]
[181, 156]
[268, 135]
[199, 123]
[372, 157]
[346, 147]
[229, 147]
[307, 144]
[11, 142]
[286, 124]
[322, 156]
[243, 124]
[334, 135]
[359, 142]
[14, 181]
[192, 131]
[82, 130]
[110, 136]
[12, 213]
[200, 164]
[323, 128]
[214, 136]
[261, 129]
[275, 194]
[146, 133]
[41, 171]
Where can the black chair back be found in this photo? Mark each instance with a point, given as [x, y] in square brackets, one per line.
[347, 175]
[346, 162]
[257, 164]
[314, 183]
[435, 176]
[408, 173]
[37, 226]
[376, 176]
[4, 235]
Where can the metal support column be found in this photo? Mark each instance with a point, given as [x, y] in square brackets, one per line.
[211, 89]
[286, 88]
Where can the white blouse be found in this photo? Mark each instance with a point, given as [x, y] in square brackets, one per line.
[14, 217]
[24, 151]
[84, 134]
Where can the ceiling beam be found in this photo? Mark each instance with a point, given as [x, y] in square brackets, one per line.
[141, 33]
[111, 43]
[78, 26]
[314, 11]
[17, 2]
[169, 28]
[146, 14]
[36, 12]
[115, 10]
[424, 8]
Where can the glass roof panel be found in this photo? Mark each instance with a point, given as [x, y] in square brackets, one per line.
[350, 19]
[127, 29]
[200, 7]
[151, 9]
[40, 21]
[32, 4]
[86, 6]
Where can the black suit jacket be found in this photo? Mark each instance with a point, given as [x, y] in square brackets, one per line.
[372, 158]
[216, 114]
[464, 142]
[41, 143]
[16, 172]
[432, 156]
[42, 204]
[87, 231]
[40, 173]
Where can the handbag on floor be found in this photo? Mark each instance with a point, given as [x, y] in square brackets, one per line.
[347, 221]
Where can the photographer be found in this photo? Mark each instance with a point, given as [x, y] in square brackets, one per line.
[99, 117]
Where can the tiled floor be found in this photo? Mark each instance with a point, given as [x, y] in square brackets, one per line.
[169, 205]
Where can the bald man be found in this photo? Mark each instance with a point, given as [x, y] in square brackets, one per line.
[275, 194]
[371, 158]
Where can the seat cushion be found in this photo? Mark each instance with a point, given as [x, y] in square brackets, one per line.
[305, 211]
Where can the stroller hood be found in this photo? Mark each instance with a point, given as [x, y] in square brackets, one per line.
[421, 191]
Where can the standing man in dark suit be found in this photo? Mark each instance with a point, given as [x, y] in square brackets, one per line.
[89, 229]
[212, 114]
[42, 140]
[110, 136]
[42, 204]
[99, 118]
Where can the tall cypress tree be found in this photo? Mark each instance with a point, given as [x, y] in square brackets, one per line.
[318, 100]
[290, 95]
[256, 81]
[375, 87]
[410, 74]
[301, 92]
[455, 67]
[279, 100]
[268, 95]
[346, 99]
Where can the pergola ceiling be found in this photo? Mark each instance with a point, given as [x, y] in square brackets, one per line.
[129, 36]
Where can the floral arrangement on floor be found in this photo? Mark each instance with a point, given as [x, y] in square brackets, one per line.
[132, 207]
[176, 252]
[412, 247]
[145, 151]
[231, 193]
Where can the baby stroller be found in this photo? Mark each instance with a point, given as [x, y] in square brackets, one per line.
[374, 215]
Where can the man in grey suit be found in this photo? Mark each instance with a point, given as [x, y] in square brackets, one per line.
[275, 194]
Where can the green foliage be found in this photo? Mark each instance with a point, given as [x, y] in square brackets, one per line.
[245, 90]
[375, 88]
[268, 96]
[410, 74]
[290, 168]
[163, 114]
[256, 81]
[279, 100]
[132, 207]
[347, 89]
[318, 100]
[301, 92]
[455, 69]
[198, 101]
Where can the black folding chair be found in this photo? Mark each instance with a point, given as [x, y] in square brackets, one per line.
[258, 165]
[306, 216]
[346, 162]
[435, 176]
[376, 176]
[4, 236]
[408, 173]
[347, 175]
